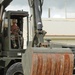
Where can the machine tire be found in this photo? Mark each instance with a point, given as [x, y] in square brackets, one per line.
[15, 69]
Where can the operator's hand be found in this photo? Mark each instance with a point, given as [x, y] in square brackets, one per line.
[21, 32]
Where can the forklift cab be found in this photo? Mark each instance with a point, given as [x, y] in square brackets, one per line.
[10, 41]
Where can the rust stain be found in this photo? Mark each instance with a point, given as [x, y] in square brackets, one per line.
[52, 64]
[71, 64]
[61, 65]
[40, 63]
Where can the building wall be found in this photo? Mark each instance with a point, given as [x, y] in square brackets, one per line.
[60, 30]
[59, 26]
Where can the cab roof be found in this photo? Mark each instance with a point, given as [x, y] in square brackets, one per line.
[15, 14]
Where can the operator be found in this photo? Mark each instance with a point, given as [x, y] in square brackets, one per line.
[14, 33]
[14, 27]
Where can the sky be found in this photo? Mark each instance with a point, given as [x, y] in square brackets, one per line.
[18, 5]
[58, 8]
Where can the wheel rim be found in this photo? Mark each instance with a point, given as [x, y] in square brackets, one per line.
[18, 73]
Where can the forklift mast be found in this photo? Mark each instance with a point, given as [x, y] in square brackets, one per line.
[38, 32]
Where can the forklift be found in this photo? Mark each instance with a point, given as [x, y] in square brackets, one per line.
[38, 58]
